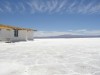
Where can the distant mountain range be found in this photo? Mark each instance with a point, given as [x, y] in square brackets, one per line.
[72, 36]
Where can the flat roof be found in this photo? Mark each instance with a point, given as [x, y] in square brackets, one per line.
[2, 26]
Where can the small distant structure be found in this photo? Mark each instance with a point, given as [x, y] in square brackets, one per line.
[14, 34]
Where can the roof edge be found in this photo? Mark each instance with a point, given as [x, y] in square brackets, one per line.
[2, 26]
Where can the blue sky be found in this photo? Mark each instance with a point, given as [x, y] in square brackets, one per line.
[53, 17]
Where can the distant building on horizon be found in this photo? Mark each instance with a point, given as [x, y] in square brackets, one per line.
[14, 34]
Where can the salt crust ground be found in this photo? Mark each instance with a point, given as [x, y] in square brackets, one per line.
[77, 56]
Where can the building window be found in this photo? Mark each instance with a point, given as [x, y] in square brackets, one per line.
[15, 33]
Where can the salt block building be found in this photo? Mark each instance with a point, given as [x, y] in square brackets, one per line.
[14, 34]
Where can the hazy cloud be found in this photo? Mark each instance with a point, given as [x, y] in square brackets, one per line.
[21, 7]
[1, 10]
[7, 7]
[52, 6]
[73, 32]
[50, 33]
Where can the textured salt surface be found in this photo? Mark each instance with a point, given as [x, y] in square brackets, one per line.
[78, 56]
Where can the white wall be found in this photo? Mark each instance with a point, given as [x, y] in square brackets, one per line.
[21, 36]
[30, 35]
[8, 35]
[5, 34]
